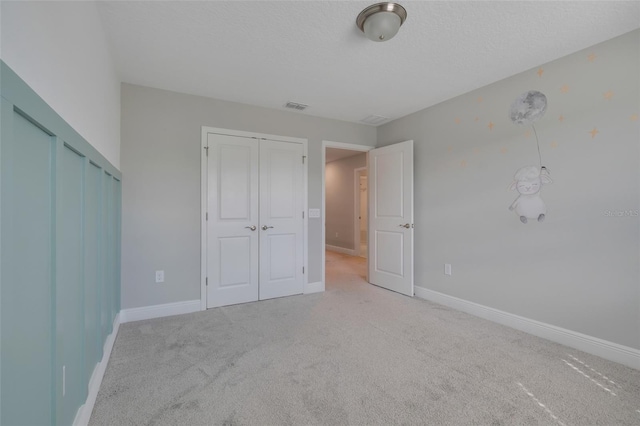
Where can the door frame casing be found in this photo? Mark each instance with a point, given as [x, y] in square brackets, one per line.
[357, 207]
[341, 145]
[204, 194]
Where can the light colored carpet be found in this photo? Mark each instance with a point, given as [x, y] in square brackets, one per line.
[356, 354]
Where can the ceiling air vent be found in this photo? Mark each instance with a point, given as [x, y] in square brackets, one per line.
[296, 106]
[374, 120]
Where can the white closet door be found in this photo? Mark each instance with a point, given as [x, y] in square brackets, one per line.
[232, 245]
[391, 217]
[281, 223]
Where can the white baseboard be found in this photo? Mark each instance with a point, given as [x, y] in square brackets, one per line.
[342, 250]
[316, 287]
[158, 311]
[84, 412]
[602, 348]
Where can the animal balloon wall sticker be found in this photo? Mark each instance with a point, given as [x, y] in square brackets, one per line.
[528, 108]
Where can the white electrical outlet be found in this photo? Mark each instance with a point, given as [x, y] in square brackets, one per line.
[159, 276]
[336, 235]
[447, 269]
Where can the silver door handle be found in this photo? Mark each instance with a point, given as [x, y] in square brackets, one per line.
[406, 225]
[265, 227]
[252, 227]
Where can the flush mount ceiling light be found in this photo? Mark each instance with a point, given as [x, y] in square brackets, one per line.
[381, 21]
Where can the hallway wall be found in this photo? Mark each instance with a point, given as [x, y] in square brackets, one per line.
[340, 200]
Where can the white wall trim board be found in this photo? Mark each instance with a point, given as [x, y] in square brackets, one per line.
[342, 250]
[316, 287]
[305, 220]
[602, 348]
[84, 412]
[204, 191]
[159, 311]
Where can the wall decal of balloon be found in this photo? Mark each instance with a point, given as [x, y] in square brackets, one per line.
[526, 109]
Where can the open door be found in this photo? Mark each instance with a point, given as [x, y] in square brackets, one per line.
[391, 217]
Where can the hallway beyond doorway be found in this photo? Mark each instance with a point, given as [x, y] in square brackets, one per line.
[343, 271]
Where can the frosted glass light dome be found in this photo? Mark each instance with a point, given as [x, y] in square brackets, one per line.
[382, 26]
[381, 21]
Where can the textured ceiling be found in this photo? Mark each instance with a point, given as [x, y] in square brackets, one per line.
[266, 53]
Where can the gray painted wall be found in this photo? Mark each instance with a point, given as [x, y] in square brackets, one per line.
[340, 201]
[579, 269]
[33, 41]
[160, 164]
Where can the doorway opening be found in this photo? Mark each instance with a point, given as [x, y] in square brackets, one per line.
[389, 262]
[345, 208]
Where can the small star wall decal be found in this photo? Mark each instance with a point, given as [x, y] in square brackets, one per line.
[561, 118]
[634, 117]
[457, 120]
[554, 144]
[564, 89]
[463, 163]
[450, 148]
[490, 125]
[527, 134]
[479, 99]
[504, 150]
[540, 72]
[608, 95]
[594, 132]
[591, 57]
[476, 119]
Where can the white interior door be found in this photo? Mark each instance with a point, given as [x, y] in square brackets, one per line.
[281, 219]
[391, 217]
[232, 233]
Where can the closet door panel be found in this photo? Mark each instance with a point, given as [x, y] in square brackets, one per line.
[281, 222]
[232, 209]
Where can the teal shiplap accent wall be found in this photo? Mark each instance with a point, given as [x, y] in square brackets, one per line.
[59, 259]
[92, 273]
[26, 272]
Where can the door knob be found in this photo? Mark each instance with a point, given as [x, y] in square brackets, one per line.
[252, 227]
[406, 225]
[265, 227]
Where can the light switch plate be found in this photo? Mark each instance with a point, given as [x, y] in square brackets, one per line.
[447, 269]
[314, 212]
[159, 276]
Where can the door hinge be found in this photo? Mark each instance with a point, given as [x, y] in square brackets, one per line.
[206, 281]
[206, 149]
[303, 214]
[206, 216]
[303, 269]
[303, 157]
